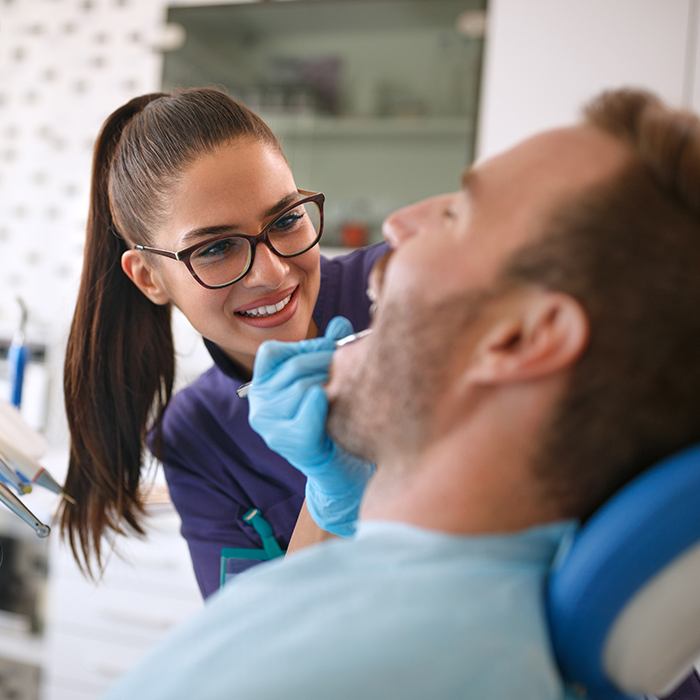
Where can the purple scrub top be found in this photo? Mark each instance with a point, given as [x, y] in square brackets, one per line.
[217, 467]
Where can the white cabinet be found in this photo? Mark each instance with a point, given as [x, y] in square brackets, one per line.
[545, 58]
[96, 632]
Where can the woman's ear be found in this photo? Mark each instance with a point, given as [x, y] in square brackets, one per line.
[540, 334]
[144, 276]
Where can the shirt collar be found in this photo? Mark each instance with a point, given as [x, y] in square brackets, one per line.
[539, 543]
[229, 367]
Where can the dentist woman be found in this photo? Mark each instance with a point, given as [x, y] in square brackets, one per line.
[193, 204]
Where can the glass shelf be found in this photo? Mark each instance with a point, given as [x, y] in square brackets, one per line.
[312, 126]
[374, 101]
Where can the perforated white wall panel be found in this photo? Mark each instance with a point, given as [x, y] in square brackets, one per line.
[64, 65]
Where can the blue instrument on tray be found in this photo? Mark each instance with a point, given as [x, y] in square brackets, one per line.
[18, 356]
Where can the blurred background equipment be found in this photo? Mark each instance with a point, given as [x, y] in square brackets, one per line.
[18, 355]
[13, 503]
[375, 101]
[20, 449]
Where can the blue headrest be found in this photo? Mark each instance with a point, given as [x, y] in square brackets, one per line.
[623, 599]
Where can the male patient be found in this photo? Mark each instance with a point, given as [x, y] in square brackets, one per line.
[535, 347]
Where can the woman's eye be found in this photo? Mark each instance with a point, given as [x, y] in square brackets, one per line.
[216, 248]
[287, 221]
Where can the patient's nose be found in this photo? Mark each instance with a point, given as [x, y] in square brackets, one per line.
[422, 217]
[402, 225]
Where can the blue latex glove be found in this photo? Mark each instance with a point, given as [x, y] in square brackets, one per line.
[288, 407]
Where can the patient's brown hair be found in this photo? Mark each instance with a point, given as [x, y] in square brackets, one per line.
[629, 251]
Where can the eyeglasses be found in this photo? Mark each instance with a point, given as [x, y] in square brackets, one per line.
[226, 259]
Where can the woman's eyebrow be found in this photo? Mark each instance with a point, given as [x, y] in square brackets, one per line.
[288, 199]
[206, 231]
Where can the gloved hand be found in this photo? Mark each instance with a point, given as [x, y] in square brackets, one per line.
[288, 407]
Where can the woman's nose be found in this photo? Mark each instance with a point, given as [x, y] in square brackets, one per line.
[268, 269]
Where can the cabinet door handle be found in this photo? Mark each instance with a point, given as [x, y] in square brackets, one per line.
[124, 617]
[109, 672]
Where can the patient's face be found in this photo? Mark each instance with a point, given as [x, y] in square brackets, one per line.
[390, 391]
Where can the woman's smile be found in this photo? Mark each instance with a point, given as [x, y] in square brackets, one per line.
[271, 310]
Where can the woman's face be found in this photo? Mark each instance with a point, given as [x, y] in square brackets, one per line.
[238, 187]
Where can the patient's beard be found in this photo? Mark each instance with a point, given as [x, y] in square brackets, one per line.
[383, 411]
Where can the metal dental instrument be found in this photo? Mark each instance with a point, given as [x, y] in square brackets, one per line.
[22, 512]
[20, 450]
[29, 468]
[352, 338]
[243, 389]
[8, 474]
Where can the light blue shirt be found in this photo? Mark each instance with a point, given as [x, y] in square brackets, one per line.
[396, 612]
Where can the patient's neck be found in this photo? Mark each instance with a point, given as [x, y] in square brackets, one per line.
[457, 506]
[478, 479]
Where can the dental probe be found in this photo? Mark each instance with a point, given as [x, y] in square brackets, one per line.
[22, 512]
[243, 389]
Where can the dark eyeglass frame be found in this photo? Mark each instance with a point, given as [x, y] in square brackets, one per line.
[185, 254]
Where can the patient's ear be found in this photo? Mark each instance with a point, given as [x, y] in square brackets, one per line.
[144, 276]
[543, 333]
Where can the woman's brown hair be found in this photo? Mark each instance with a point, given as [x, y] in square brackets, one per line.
[120, 363]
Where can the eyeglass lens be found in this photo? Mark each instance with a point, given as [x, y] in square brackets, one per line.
[226, 259]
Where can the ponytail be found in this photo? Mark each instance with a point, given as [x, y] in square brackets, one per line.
[118, 374]
[119, 361]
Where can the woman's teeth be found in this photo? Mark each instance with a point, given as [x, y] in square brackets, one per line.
[267, 310]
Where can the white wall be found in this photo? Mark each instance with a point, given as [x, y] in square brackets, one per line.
[693, 74]
[545, 58]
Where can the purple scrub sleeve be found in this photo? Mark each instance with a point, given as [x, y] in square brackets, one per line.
[217, 467]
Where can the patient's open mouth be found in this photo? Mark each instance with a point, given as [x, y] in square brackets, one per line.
[376, 281]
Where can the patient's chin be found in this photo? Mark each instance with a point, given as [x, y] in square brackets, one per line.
[356, 398]
[347, 427]
[347, 393]
[344, 367]
[333, 386]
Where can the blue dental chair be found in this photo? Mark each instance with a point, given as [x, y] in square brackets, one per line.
[624, 600]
